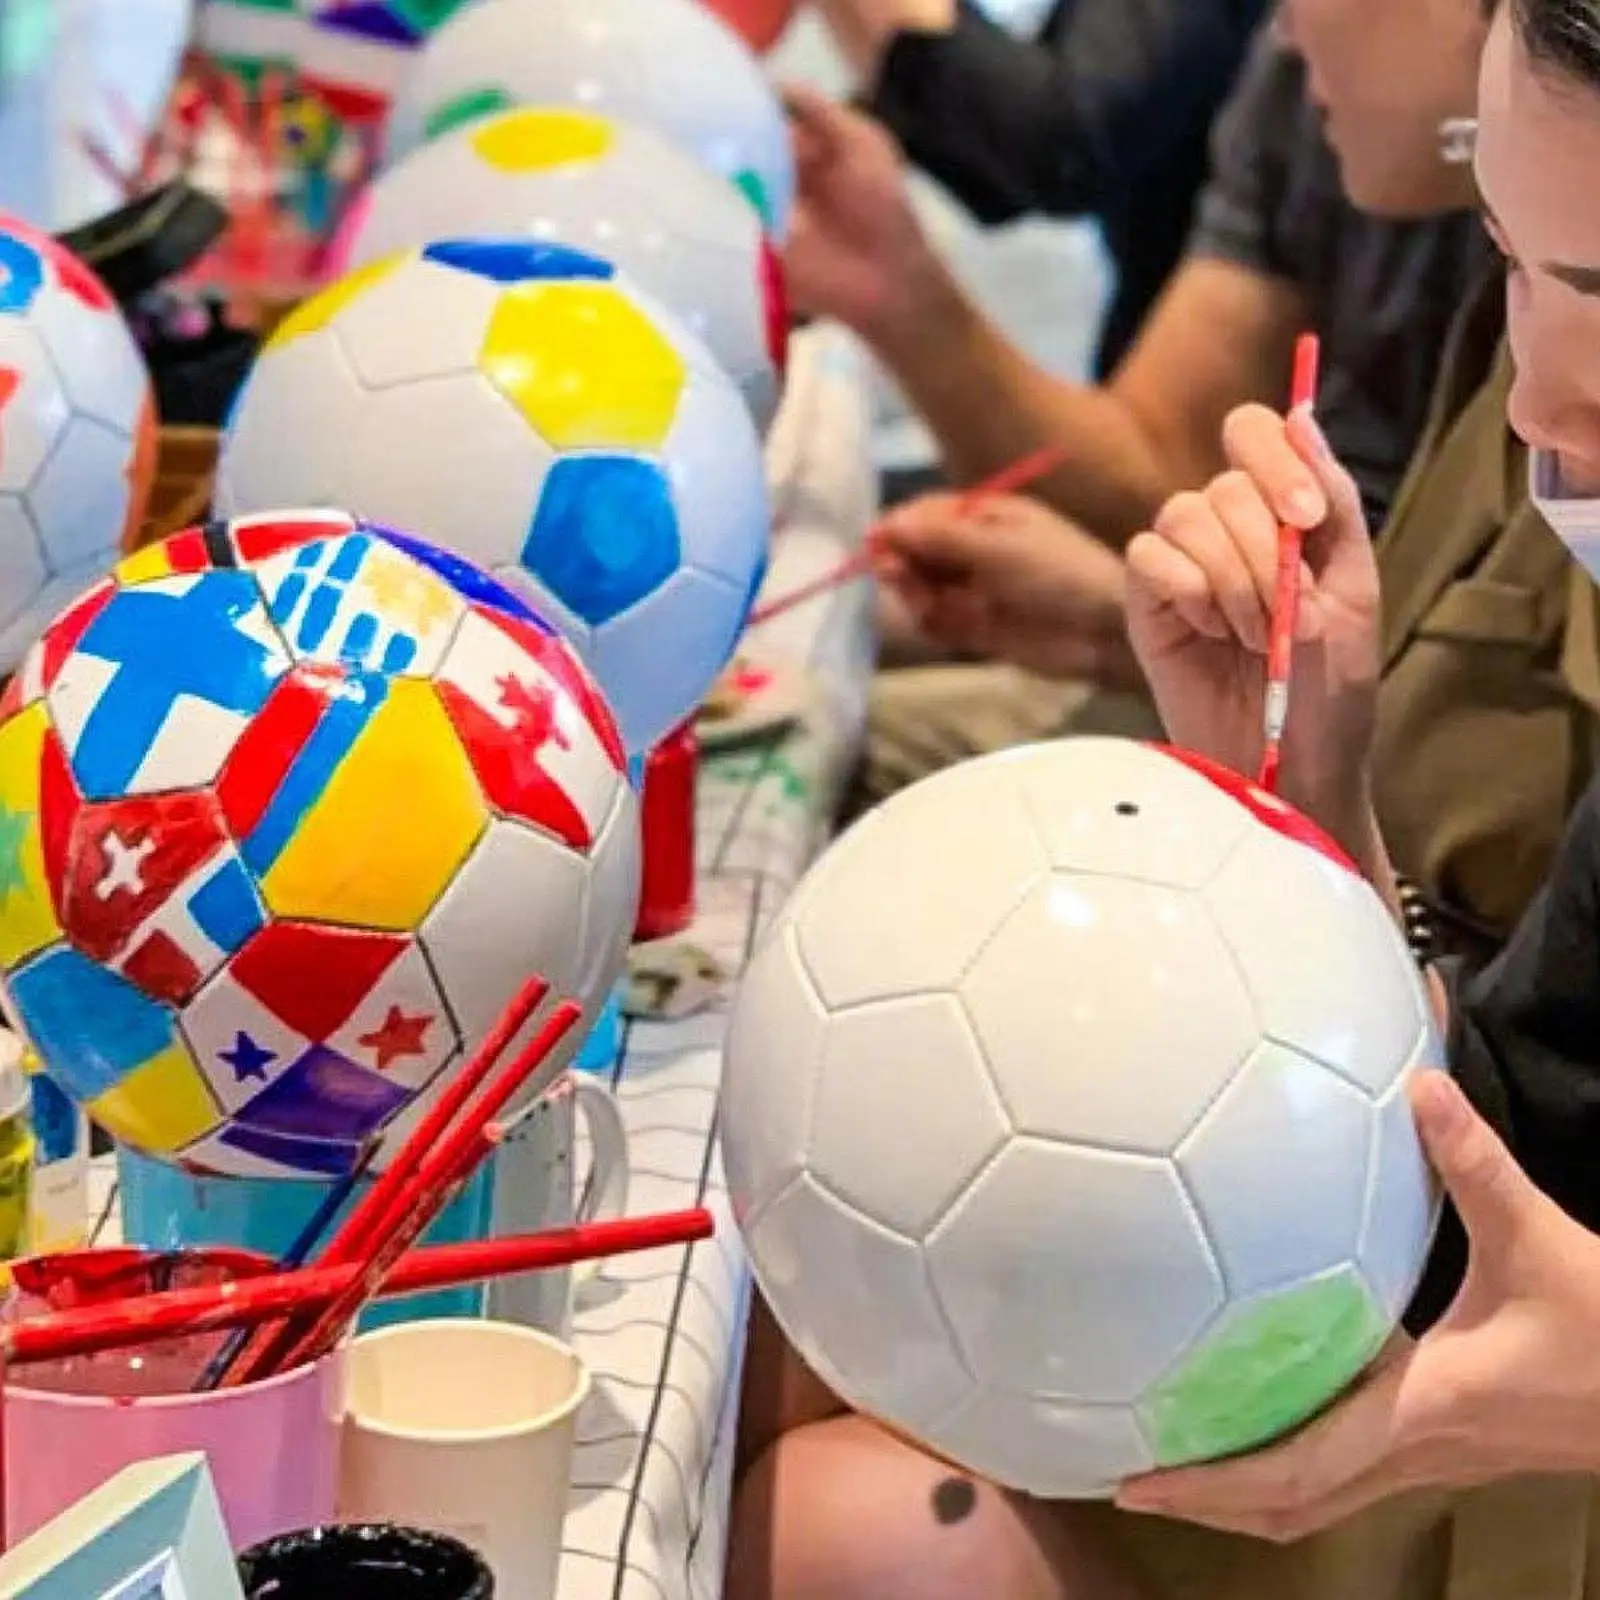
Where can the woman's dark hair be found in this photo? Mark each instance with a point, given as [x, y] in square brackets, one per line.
[1562, 35]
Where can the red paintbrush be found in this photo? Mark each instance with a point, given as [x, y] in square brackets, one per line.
[1286, 592]
[1027, 469]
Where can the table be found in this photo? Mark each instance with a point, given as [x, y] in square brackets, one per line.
[664, 1332]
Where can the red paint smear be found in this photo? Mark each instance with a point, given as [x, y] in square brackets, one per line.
[1266, 808]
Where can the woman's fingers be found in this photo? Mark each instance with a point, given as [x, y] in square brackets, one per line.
[1170, 578]
[1191, 524]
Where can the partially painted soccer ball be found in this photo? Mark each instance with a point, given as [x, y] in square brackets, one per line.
[620, 191]
[523, 405]
[289, 809]
[1086, 1150]
[77, 433]
[670, 65]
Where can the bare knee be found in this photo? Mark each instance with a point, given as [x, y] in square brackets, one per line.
[842, 1510]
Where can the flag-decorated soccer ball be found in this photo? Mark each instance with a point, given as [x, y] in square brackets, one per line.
[521, 404]
[1064, 1115]
[77, 432]
[289, 809]
[668, 64]
[621, 191]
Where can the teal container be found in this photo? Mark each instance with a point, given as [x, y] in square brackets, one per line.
[603, 1043]
[164, 1208]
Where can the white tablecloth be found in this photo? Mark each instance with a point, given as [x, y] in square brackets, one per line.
[664, 1332]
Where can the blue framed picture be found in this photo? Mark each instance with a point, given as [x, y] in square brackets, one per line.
[153, 1532]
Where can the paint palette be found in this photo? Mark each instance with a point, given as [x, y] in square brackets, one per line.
[752, 700]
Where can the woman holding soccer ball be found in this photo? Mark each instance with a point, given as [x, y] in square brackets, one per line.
[1468, 1460]
[1505, 1382]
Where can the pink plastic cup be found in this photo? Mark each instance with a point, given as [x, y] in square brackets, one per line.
[273, 1447]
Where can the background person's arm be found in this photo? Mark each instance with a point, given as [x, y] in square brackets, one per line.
[1068, 124]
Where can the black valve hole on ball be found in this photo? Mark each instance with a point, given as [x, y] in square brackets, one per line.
[1126, 808]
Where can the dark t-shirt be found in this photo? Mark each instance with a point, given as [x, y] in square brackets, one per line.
[1525, 1046]
[1105, 113]
[1381, 293]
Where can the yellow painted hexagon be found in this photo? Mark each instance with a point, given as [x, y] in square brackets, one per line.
[585, 366]
[538, 138]
[28, 919]
[399, 815]
[162, 1105]
[317, 312]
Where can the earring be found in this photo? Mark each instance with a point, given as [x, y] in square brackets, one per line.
[1458, 139]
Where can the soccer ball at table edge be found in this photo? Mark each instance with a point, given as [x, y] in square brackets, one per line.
[671, 65]
[289, 809]
[527, 406]
[1085, 1150]
[610, 187]
[77, 432]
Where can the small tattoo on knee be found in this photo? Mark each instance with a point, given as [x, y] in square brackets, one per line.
[954, 1500]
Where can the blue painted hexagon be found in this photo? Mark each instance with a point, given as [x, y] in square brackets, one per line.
[605, 534]
[517, 260]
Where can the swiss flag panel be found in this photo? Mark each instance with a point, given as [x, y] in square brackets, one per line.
[127, 857]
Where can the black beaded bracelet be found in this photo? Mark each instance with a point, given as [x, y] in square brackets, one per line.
[1417, 922]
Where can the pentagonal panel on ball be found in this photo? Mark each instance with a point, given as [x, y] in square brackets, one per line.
[22, 570]
[770, 1065]
[449, 460]
[1072, 1272]
[1277, 1169]
[1045, 1447]
[855, 1302]
[905, 1113]
[1109, 1012]
[903, 902]
[422, 320]
[290, 431]
[1123, 808]
[1328, 972]
[1266, 1365]
[79, 499]
[1402, 1205]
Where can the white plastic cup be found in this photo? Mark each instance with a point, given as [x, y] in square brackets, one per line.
[466, 1428]
[535, 1189]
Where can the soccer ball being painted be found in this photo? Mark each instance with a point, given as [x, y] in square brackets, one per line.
[520, 403]
[670, 65]
[289, 809]
[1063, 1115]
[619, 191]
[77, 433]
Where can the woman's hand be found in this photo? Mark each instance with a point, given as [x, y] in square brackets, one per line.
[1007, 578]
[1199, 599]
[1506, 1384]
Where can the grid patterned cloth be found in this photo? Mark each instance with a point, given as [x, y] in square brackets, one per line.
[664, 1332]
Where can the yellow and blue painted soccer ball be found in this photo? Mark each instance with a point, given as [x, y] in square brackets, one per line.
[290, 807]
[672, 65]
[616, 189]
[521, 404]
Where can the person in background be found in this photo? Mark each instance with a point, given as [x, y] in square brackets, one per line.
[1104, 114]
[1466, 1465]
[1277, 247]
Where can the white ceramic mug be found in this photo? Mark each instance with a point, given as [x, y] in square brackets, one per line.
[466, 1428]
[536, 1187]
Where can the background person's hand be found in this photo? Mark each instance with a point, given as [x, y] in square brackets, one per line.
[1009, 579]
[1200, 591]
[1505, 1385]
[855, 244]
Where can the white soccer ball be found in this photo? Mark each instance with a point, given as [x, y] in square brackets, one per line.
[77, 433]
[523, 405]
[620, 191]
[671, 65]
[1064, 1116]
